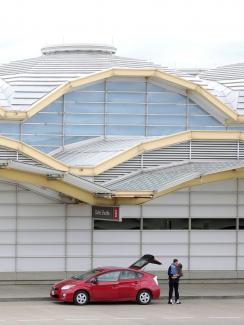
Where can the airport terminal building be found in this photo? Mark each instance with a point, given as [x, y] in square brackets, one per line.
[81, 127]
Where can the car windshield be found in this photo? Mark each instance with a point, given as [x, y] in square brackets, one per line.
[85, 275]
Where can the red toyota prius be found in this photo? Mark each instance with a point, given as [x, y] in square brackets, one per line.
[110, 284]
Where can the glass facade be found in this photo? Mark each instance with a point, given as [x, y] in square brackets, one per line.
[132, 107]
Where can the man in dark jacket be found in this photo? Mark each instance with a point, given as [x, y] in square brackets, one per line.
[174, 274]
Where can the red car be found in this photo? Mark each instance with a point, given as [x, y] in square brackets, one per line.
[110, 284]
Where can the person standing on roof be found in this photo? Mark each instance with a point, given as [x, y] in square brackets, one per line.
[174, 274]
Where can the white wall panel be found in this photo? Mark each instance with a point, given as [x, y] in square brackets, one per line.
[212, 263]
[208, 198]
[241, 249]
[26, 197]
[7, 250]
[41, 223]
[79, 210]
[241, 236]
[241, 211]
[40, 264]
[206, 236]
[79, 222]
[78, 264]
[166, 250]
[40, 250]
[7, 264]
[78, 250]
[116, 250]
[160, 236]
[221, 211]
[79, 236]
[223, 186]
[177, 198]
[7, 197]
[116, 236]
[115, 261]
[55, 210]
[240, 264]
[7, 237]
[36, 237]
[213, 250]
[166, 211]
[8, 211]
[130, 211]
[7, 223]
[5, 186]
[241, 184]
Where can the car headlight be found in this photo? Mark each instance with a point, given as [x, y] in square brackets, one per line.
[67, 287]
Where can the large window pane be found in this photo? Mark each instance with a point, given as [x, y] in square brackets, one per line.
[73, 139]
[83, 97]
[213, 223]
[46, 118]
[84, 118]
[125, 130]
[165, 223]
[125, 108]
[196, 110]
[56, 106]
[42, 140]
[155, 88]
[9, 128]
[84, 108]
[100, 86]
[163, 130]
[42, 129]
[85, 130]
[166, 98]
[126, 86]
[126, 224]
[167, 109]
[198, 121]
[126, 119]
[166, 120]
[126, 97]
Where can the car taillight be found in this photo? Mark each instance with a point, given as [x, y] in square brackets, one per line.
[155, 279]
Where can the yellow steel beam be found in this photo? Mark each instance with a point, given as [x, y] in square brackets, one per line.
[231, 116]
[57, 185]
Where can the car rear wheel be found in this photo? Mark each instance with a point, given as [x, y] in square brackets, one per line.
[81, 298]
[144, 297]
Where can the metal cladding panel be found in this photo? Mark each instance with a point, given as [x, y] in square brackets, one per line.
[162, 178]
[94, 151]
[213, 263]
[189, 150]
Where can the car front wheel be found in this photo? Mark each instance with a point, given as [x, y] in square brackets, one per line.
[81, 298]
[144, 297]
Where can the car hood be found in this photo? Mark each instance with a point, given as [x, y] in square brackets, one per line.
[65, 282]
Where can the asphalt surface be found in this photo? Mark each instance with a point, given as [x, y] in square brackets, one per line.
[207, 312]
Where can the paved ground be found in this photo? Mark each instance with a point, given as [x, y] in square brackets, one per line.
[41, 292]
[191, 312]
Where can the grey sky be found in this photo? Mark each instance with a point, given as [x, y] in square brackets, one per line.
[178, 33]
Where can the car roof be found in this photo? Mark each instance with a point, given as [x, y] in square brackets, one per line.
[116, 268]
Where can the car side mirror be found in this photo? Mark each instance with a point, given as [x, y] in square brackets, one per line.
[94, 281]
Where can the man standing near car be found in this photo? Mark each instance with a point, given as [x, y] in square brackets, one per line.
[174, 276]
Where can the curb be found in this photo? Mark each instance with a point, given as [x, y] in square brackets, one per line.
[163, 298]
